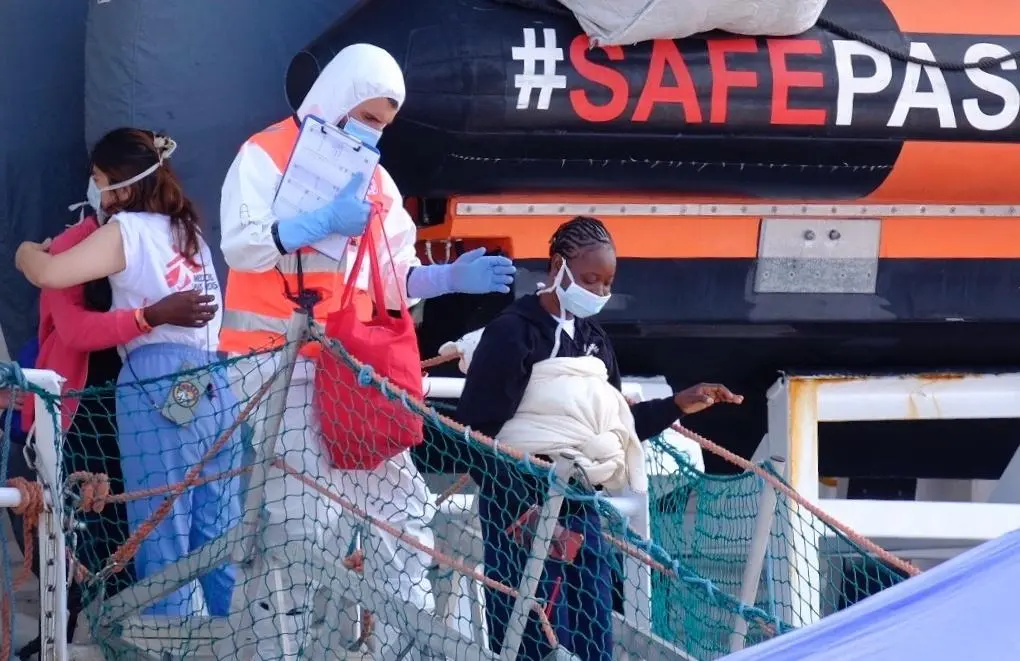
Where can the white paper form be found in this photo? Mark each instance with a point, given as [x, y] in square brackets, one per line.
[324, 160]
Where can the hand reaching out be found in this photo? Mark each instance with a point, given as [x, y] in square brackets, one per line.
[474, 272]
[702, 396]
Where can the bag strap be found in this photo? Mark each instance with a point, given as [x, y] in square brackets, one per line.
[393, 270]
[368, 250]
[375, 274]
[364, 248]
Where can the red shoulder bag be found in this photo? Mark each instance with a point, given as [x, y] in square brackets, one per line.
[361, 427]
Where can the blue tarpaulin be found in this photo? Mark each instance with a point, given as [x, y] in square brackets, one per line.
[963, 609]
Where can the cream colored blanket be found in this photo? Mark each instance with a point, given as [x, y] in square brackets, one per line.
[569, 409]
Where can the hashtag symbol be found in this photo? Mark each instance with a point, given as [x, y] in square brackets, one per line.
[528, 80]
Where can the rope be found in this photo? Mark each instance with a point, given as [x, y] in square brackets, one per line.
[637, 547]
[638, 550]
[94, 494]
[439, 557]
[439, 360]
[29, 509]
[847, 33]
[193, 478]
[94, 490]
[779, 485]
[740, 462]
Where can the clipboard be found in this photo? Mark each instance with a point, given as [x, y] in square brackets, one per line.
[323, 161]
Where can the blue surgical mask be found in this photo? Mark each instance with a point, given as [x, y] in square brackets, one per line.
[362, 131]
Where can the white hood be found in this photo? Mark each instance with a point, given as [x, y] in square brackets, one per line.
[357, 73]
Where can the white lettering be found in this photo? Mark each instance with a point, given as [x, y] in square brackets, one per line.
[910, 98]
[1000, 87]
[851, 85]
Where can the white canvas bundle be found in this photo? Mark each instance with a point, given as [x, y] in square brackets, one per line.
[625, 22]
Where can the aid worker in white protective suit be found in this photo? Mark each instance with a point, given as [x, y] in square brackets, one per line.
[360, 90]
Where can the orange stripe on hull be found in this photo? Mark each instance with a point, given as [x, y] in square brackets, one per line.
[721, 237]
[964, 172]
[950, 238]
[652, 237]
[988, 17]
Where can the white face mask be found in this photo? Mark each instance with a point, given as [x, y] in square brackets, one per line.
[94, 194]
[574, 299]
[94, 198]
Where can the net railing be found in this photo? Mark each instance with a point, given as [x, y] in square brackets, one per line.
[203, 520]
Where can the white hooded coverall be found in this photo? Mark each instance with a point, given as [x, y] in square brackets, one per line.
[394, 492]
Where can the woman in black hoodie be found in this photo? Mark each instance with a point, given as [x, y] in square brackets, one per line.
[555, 322]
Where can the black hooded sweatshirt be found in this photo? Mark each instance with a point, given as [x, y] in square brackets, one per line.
[522, 335]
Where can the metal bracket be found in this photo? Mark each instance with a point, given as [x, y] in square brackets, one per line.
[813, 256]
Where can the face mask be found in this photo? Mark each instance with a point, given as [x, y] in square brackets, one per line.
[94, 194]
[575, 299]
[94, 197]
[362, 131]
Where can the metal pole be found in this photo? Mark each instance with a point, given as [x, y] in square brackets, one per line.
[756, 555]
[51, 547]
[9, 497]
[249, 553]
[545, 528]
[265, 447]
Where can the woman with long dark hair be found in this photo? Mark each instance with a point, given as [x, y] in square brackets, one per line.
[78, 339]
[172, 402]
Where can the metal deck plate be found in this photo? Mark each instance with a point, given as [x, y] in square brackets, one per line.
[816, 256]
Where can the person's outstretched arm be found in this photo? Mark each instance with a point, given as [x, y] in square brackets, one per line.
[78, 327]
[654, 416]
[99, 256]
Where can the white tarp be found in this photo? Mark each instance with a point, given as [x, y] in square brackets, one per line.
[625, 22]
[962, 609]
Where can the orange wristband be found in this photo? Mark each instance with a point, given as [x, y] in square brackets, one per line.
[143, 325]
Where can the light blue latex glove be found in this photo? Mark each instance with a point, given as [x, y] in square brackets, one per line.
[473, 273]
[346, 215]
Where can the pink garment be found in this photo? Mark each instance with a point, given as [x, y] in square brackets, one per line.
[68, 332]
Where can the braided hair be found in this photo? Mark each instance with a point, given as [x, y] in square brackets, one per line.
[577, 234]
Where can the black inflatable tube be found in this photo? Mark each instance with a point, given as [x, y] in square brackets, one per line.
[758, 117]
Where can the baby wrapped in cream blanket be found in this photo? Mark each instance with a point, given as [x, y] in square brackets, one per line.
[570, 409]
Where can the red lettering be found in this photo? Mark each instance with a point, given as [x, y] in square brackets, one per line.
[665, 53]
[783, 80]
[722, 78]
[608, 77]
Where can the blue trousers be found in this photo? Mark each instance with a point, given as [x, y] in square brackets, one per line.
[156, 452]
[583, 610]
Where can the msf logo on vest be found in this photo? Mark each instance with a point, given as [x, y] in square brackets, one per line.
[181, 274]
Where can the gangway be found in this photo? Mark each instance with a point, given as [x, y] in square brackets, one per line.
[256, 622]
[796, 405]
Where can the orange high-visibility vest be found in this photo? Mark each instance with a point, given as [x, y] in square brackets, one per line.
[257, 309]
